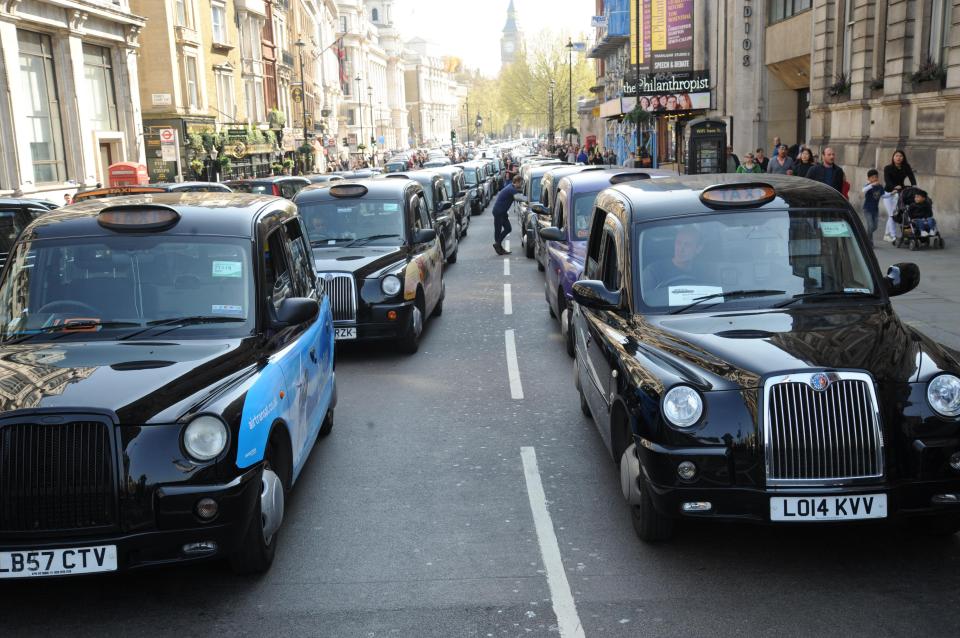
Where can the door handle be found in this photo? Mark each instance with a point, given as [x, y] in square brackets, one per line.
[313, 354]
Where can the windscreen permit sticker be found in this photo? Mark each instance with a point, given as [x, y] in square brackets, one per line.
[684, 295]
[391, 207]
[228, 269]
[229, 311]
[835, 229]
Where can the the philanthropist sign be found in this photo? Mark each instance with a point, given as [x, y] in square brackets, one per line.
[670, 92]
[665, 32]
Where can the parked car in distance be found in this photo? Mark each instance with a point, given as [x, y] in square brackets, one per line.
[440, 207]
[323, 178]
[378, 256]
[738, 350]
[166, 187]
[458, 193]
[181, 357]
[15, 215]
[285, 186]
[437, 162]
[476, 195]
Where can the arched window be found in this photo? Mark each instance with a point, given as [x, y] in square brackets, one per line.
[376, 15]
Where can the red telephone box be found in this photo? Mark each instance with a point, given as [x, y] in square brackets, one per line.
[127, 174]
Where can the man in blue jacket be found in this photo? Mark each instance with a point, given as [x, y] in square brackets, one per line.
[501, 214]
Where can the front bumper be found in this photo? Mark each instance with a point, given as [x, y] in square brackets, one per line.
[176, 527]
[372, 323]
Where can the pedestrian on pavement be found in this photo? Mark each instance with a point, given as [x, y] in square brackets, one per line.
[761, 160]
[828, 172]
[631, 161]
[67, 199]
[804, 163]
[872, 192]
[572, 154]
[733, 162]
[895, 177]
[776, 146]
[582, 156]
[501, 214]
[749, 165]
[781, 164]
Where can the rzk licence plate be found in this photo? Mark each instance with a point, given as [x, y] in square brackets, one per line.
[828, 508]
[344, 333]
[58, 562]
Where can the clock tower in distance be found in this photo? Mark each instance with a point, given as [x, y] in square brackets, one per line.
[512, 40]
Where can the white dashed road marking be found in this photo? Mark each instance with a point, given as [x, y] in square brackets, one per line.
[507, 300]
[506, 266]
[568, 621]
[513, 369]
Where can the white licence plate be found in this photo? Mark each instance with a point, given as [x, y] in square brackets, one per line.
[828, 508]
[58, 562]
[340, 334]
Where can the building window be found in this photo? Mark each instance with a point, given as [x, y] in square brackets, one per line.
[783, 9]
[225, 102]
[42, 104]
[219, 13]
[193, 87]
[279, 33]
[941, 19]
[847, 52]
[351, 117]
[253, 91]
[183, 17]
[98, 74]
[375, 15]
[343, 24]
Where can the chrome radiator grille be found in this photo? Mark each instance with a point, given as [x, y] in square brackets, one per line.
[56, 477]
[343, 295]
[825, 435]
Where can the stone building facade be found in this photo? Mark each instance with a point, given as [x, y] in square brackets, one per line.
[69, 94]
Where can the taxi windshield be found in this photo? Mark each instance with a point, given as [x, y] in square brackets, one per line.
[535, 189]
[751, 259]
[375, 221]
[113, 286]
[471, 175]
[583, 214]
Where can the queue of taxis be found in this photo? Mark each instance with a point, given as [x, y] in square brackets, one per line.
[738, 353]
[174, 359]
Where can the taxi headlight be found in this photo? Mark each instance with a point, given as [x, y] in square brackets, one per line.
[390, 285]
[205, 437]
[943, 394]
[682, 406]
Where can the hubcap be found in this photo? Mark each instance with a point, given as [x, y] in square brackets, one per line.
[271, 504]
[417, 321]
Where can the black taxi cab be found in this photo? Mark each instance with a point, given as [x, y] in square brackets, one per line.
[378, 256]
[441, 210]
[738, 351]
[149, 189]
[166, 364]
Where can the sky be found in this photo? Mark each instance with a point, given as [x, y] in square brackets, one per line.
[471, 29]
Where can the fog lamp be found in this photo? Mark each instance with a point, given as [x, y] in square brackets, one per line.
[697, 506]
[955, 461]
[203, 547]
[392, 315]
[207, 508]
[945, 499]
[687, 470]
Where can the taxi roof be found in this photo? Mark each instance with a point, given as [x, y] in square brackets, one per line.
[597, 177]
[680, 195]
[381, 187]
[201, 213]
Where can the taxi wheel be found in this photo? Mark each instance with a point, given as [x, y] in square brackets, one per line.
[410, 342]
[528, 244]
[452, 259]
[327, 426]
[438, 309]
[584, 406]
[540, 266]
[259, 545]
[649, 524]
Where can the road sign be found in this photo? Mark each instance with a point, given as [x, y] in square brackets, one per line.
[296, 93]
[168, 145]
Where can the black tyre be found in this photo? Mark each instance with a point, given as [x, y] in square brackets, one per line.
[650, 525]
[452, 259]
[553, 315]
[438, 309]
[562, 305]
[914, 244]
[529, 244]
[540, 266]
[257, 549]
[584, 406]
[327, 425]
[409, 343]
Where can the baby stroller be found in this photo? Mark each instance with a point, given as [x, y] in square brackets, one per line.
[908, 235]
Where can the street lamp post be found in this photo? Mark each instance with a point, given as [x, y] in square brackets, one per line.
[570, 107]
[467, 102]
[303, 91]
[553, 87]
[359, 110]
[370, 107]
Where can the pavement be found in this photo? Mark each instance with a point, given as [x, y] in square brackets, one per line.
[462, 495]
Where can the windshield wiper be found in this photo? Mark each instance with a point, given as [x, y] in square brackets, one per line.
[826, 294]
[85, 325]
[734, 294]
[179, 322]
[359, 241]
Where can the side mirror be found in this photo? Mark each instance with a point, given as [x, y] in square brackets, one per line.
[444, 206]
[593, 294]
[296, 310]
[538, 208]
[901, 278]
[552, 233]
[424, 236]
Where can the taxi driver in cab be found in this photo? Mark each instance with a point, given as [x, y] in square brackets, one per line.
[683, 267]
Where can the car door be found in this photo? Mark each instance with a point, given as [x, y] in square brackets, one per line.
[443, 220]
[556, 256]
[282, 282]
[427, 256]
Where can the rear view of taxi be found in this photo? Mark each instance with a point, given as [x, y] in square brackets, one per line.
[167, 364]
[739, 354]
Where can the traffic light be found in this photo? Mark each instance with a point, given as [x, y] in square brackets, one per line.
[453, 135]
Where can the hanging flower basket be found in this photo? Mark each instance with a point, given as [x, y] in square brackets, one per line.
[571, 131]
[638, 116]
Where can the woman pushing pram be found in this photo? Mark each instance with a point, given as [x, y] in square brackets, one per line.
[914, 214]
